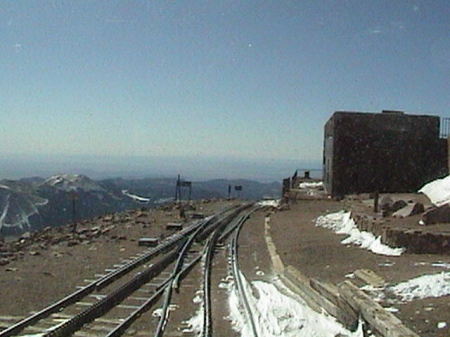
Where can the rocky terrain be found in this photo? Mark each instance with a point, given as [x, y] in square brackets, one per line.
[110, 226]
[33, 266]
[31, 204]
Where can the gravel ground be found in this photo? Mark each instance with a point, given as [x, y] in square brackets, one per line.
[40, 276]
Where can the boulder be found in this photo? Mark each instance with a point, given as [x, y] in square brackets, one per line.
[437, 215]
[409, 209]
[399, 204]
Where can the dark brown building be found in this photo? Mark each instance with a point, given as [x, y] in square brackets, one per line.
[386, 152]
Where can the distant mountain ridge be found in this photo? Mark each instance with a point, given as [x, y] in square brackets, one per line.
[29, 204]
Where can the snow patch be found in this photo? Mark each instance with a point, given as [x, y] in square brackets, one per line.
[223, 285]
[157, 312]
[441, 325]
[195, 323]
[72, 182]
[5, 212]
[441, 264]
[342, 223]
[135, 197]
[435, 285]
[278, 312]
[272, 203]
[306, 185]
[391, 309]
[438, 191]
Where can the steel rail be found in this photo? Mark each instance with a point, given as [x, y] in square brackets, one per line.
[237, 275]
[120, 329]
[175, 280]
[97, 284]
[168, 292]
[112, 299]
[238, 223]
[107, 279]
[166, 286]
[208, 255]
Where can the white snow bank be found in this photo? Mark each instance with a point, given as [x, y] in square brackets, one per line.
[195, 323]
[135, 197]
[435, 285]
[342, 223]
[304, 185]
[438, 191]
[273, 203]
[278, 312]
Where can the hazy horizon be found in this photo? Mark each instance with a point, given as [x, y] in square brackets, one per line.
[98, 167]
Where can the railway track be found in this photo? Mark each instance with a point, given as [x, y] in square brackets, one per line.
[109, 305]
[237, 276]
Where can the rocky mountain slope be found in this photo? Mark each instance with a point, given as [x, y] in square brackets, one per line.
[30, 204]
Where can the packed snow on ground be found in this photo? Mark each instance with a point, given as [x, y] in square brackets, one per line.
[438, 191]
[278, 312]
[135, 197]
[195, 323]
[273, 203]
[342, 223]
[304, 185]
[435, 285]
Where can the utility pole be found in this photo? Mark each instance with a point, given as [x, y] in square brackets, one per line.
[190, 192]
[73, 196]
[180, 184]
[177, 190]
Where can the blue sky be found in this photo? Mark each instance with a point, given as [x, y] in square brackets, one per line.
[201, 79]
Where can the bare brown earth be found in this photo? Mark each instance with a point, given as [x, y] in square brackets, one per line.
[40, 272]
[49, 265]
[317, 252]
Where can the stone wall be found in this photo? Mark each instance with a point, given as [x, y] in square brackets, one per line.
[418, 241]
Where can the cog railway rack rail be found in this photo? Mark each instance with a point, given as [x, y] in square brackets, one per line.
[109, 305]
